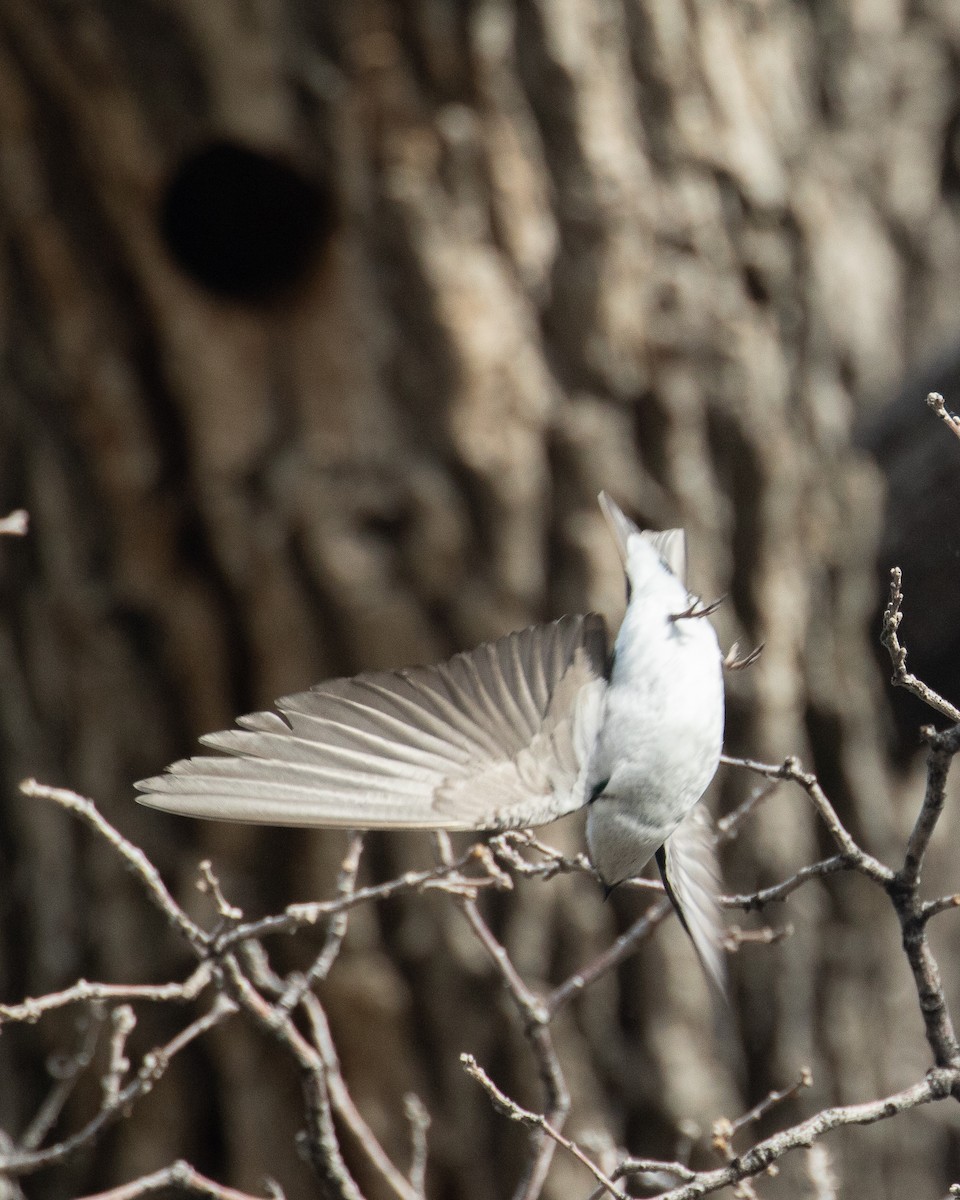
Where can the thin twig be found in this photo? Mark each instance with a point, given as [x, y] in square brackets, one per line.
[729, 1128]
[336, 930]
[152, 1067]
[209, 885]
[345, 1108]
[124, 1021]
[943, 748]
[507, 846]
[792, 770]
[903, 887]
[610, 958]
[446, 878]
[952, 422]
[83, 992]
[755, 901]
[733, 937]
[537, 1121]
[320, 1140]
[134, 858]
[535, 1017]
[890, 640]
[931, 908]
[179, 1177]
[728, 827]
[937, 1085]
[67, 1073]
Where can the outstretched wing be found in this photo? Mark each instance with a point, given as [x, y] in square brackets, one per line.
[495, 738]
[691, 876]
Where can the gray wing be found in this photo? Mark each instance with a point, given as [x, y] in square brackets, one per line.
[692, 878]
[495, 738]
[670, 544]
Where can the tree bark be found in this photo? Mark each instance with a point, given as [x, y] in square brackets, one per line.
[322, 325]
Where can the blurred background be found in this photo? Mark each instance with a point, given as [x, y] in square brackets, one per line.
[322, 323]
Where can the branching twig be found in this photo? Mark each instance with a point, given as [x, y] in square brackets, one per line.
[152, 1067]
[725, 1130]
[336, 930]
[66, 1074]
[321, 1065]
[890, 639]
[854, 857]
[937, 1085]
[446, 878]
[535, 1017]
[507, 847]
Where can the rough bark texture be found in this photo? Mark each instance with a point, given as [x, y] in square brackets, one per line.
[500, 255]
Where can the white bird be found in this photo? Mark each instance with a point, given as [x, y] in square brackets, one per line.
[514, 733]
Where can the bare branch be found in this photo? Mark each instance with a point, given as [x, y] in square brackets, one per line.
[937, 1085]
[724, 1130]
[445, 878]
[507, 847]
[791, 769]
[67, 1073]
[152, 1067]
[182, 1178]
[535, 1017]
[82, 992]
[336, 930]
[134, 858]
[889, 639]
[209, 885]
[734, 937]
[610, 958]
[728, 827]
[537, 1121]
[345, 1108]
[324, 1087]
[320, 1140]
[755, 901]
[943, 747]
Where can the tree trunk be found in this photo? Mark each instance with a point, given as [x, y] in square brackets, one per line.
[322, 325]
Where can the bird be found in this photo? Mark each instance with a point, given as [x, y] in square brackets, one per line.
[512, 734]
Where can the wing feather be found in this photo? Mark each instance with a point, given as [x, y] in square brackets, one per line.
[691, 875]
[496, 737]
